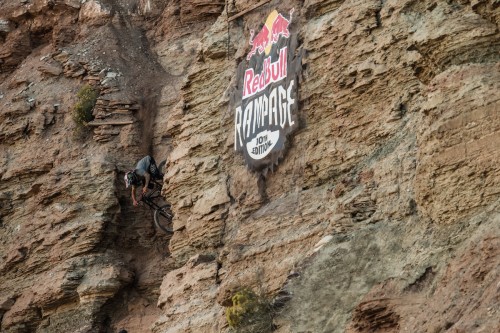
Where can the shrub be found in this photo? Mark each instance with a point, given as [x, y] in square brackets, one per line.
[82, 112]
[250, 312]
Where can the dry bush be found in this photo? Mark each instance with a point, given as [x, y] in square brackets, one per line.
[82, 112]
[250, 312]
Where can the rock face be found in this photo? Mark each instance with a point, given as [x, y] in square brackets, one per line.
[382, 217]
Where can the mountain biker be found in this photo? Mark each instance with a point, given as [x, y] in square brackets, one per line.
[144, 170]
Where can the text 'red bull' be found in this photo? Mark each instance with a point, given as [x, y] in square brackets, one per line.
[271, 72]
[279, 27]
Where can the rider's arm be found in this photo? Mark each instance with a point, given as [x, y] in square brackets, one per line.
[147, 177]
[133, 196]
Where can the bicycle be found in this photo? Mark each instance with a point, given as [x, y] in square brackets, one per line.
[163, 215]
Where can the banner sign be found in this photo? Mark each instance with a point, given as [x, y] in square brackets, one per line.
[265, 100]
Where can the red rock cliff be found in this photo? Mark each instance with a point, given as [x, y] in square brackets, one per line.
[383, 216]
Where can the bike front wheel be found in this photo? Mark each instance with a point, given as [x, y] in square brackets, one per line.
[163, 219]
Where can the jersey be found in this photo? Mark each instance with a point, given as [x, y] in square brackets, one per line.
[143, 166]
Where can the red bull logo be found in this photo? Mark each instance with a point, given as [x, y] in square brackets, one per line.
[260, 42]
[271, 72]
[276, 26]
[265, 103]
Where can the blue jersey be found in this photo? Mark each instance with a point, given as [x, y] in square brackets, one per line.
[143, 166]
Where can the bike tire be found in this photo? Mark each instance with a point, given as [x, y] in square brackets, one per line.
[163, 219]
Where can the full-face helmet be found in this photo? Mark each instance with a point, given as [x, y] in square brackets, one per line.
[130, 178]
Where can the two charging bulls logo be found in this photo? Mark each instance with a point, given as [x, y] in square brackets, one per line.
[265, 106]
[276, 25]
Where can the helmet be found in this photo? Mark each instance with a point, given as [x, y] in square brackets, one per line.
[130, 178]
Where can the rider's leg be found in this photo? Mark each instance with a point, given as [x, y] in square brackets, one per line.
[153, 170]
[161, 167]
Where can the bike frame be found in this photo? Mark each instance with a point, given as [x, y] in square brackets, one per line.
[155, 193]
[162, 214]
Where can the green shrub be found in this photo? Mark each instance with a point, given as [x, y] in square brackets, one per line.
[250, 313]
[82, 112]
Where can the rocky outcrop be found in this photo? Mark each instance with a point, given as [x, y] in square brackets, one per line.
[71, 255]
[191, 283]
[359, 161]
[48, 243]
[28, 24]
[382, 216]
[460, 146]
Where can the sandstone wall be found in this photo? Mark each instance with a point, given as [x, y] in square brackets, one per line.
[382, 217]
[72, 248]
[398, 119]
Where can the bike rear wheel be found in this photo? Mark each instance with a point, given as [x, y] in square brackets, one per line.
[163, 219]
